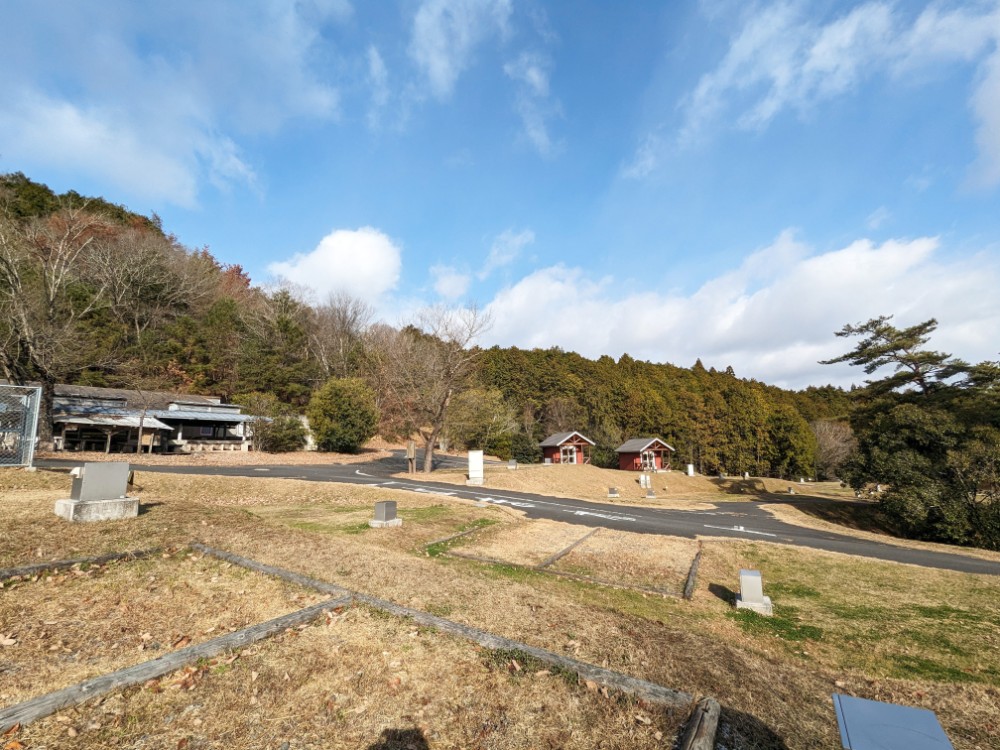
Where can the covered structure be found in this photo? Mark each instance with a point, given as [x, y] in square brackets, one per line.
[567, 448]
[117, 420]
[644, 454]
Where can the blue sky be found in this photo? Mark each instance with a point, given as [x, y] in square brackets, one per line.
[726, 180]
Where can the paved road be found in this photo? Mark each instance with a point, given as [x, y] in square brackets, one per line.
[737, 520]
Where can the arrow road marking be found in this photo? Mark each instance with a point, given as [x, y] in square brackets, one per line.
[739, 529]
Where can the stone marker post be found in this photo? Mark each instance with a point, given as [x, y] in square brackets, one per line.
[690, 470]
[475, 468]
[98, 494]
[385, 515]
[752, 593]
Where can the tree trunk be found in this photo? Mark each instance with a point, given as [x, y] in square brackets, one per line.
[429, 441]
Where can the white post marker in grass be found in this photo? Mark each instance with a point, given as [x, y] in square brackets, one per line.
[752, 593]
[690, 471]
[475, 468]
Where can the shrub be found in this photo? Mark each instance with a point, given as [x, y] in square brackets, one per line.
[343, 415]
[283, 435]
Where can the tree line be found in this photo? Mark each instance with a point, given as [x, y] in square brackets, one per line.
[93, 294]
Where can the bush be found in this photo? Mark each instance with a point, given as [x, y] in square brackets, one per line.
[343, 415]
[525, 449]
[283, 435]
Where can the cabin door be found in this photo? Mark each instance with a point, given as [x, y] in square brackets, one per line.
[567, 454]
[648, 459]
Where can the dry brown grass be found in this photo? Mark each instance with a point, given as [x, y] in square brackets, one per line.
[346, 683]
[643, 560]
[79, 624]
[529, 543]
[776, 690]
[673, 489]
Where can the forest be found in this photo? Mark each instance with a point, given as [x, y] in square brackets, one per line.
[93, 294]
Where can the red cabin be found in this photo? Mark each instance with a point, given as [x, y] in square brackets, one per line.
[644, 454]
[567, 448]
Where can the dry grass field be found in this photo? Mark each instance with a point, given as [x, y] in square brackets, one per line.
[876, 630]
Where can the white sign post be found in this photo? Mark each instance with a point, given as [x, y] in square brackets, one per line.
[475, 468]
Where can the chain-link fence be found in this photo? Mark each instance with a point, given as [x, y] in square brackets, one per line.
[18, 419]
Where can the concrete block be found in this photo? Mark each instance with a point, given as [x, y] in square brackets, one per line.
[97, 510]
[376, 524]
[385, 515]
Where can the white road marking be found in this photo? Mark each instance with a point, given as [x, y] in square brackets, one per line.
[739, 529]
[606, 516]
[362, 474]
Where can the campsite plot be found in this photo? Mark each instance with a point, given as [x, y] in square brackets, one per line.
[354, 680]
[640, 560]
[81, 623]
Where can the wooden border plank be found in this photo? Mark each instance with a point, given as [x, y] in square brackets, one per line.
[703, 725]
[692, 578]
[37, 708]
[563, 552]
[27, 570]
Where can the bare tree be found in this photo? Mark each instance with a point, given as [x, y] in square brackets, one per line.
[149, 278]
[47, 289]
[337, 331]
[421, 368]
[834, 444]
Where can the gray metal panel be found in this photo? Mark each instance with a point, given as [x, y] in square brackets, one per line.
[113, 420]
[874, 725]
[100, 481]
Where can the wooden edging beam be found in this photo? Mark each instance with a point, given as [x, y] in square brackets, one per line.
[563, 552]
[38, 708]
[692, 578]
[702, 726]
[27, 570]
[614, 680]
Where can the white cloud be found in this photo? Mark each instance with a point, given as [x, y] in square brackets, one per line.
[449, 282]
[878, 217]
[773, 318]
[378, 80]
[363, 262]
[167, 85]
[531, 71]
[505, 249]
[446, 33]
[98, 143]
[646, 158]
[781, 59]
